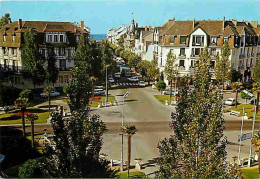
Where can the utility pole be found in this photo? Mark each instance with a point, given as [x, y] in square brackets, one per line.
[241, 133]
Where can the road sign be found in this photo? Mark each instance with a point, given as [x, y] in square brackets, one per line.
[126, 94]
[246, 136]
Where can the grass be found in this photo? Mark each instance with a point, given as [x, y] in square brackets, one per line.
[162, 98]
[103, 99]
[248, 110]
[11, 118]
[132, 174]
[250, 173]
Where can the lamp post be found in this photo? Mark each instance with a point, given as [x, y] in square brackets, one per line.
[253, 128]
[241, 133]
[122, 139]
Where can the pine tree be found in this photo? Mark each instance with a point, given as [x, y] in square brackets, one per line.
[171, 70]
[197, 147]
[222, 69]
[32, 59]
[77, 151]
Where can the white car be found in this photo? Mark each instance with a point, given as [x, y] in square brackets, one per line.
[117, 75]
[99, 91]
[7, 107]
[230, 101]
[111, 80]
[141, 83]
[133, 79]
[52, 94]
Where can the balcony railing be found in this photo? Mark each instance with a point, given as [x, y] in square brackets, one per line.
[181, 67]
[182, 55]
[65, 69]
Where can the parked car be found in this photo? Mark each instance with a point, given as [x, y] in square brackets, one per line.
[230, 101]
[2, 108]
[8, 108]
[141, 83]
[52, 94]
[167, 92]
[111, 80]
[99, 91]
[117, 75]
[133, 79]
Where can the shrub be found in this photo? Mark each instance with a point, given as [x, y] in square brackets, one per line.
[161, 85]
[26, 93]
[8, 95]
[30, 169]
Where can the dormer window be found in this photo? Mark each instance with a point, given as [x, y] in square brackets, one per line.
[55, 38]
[183, 40]
[4, 38]
[198, 40]
[214, 40]
[77, 38]
[49, 38]
[61, 38]
[13, 38]
[172, 39]
[225, 39]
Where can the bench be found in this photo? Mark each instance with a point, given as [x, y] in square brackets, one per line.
[236, 113]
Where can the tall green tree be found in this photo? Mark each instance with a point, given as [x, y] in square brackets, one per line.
[235, 75]
[77, 151]
[129, 130]
[256, 144]
[52, 69]
[32, 59]
[6, 19]
[171, 70]
[143, 66]
[160, 85]
[22, 103]
[197, 147]
[245, 96]
[236, 86]
[222, 68]
[256, 84]
[47, 91]
[79, 87]
[133, 60]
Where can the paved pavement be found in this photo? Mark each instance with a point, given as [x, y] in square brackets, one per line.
[152, 121]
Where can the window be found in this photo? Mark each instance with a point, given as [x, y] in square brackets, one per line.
[212, 64]
[62, 51]
[183, 40]
[6, 65]
[196, 51]
[213, 52]
[55, 38]
[181, 63]
[15, 52]
[213, 40]
[49, 38]
[13, 38]
[251, 62]
[11, 51]
[77, 38]
[4, 38]
[61, 78]
[66, 78]
[43, 52]
[225, 39]
[61, 38]
[4, 51]
[191, 63]
[182, 52]
[172, 39]
[198, 40]
[62, 64]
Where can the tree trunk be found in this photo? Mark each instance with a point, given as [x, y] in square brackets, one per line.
[32, 132]
[170, 91]
[128, 152]
[257, 102]
[49, 99]
[23, 110]
[236, 100]
[259, 160]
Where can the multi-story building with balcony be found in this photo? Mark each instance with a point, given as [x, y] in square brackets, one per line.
[58, 38]
[186, 39]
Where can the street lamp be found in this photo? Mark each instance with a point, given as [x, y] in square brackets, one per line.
[106, 84]
[253, 128]
[122, 140]
[241, 133]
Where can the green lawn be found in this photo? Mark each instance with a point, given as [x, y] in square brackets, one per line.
[162, 98]
[248, 110]
[132, 174]
[103, 99]
[11, 118]
[249, 173]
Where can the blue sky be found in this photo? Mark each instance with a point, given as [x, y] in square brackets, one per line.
[101, 15]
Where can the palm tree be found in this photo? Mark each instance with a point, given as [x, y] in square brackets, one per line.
[256, 144]
[129, 130]
[22, 103]
[32, 118]
[236, 86]
[47, 91]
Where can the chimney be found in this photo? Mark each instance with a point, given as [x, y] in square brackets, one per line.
[254, 23]
[150, 27]
[145, 28]
[193, 23]
[82, 24]
[20, 23]
[223, 26]
[136, 25]
[234, 21]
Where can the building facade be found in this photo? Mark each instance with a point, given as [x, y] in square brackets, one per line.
[186, 39]
[58, 38]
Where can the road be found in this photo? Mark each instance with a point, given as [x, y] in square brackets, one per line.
[152, 121]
